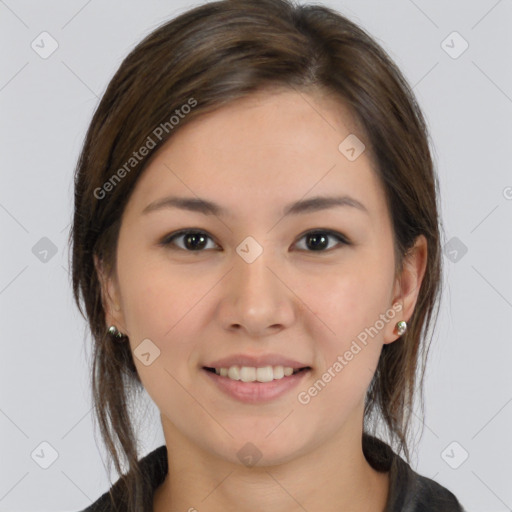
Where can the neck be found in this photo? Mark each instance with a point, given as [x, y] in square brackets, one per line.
[334, 476]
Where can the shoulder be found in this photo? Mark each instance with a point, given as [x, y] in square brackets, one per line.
[154, 467]
[416, 493]
[408, 490]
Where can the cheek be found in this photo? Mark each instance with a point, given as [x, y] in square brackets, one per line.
[348, 332]
[347, 350]
[162, 308]
[346, 301]
[157, 297]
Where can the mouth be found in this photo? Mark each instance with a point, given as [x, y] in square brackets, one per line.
[256, 374]
[253, 385]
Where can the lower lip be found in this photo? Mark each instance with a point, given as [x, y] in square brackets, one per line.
[256, 392]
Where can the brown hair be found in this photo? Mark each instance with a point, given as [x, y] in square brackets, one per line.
[214, 54]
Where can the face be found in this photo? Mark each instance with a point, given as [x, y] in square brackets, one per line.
[312, 287]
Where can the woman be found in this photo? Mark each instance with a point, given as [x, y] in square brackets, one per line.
[256, 245]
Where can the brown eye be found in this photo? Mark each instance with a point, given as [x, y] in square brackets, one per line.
[193, 240]
[318, 241]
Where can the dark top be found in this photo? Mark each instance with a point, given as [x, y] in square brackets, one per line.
[408, 491]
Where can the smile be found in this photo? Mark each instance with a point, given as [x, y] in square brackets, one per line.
[252, 374]
[255, 385]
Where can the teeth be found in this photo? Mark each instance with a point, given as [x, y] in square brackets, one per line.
[247, 374]
[251, 374]
[288, 371]
[234, 373]
[279, 372]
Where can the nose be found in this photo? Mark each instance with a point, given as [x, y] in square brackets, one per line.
[256, 299]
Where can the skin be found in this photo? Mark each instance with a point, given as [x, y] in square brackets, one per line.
[253, 157]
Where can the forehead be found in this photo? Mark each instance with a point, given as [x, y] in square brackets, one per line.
[272, 147]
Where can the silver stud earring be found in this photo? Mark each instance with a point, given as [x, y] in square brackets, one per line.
[112, 330]
[401, 327]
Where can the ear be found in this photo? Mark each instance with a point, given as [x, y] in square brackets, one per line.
[407, 286]
[110, 297]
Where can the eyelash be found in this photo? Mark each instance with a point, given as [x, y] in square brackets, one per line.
[169, 239]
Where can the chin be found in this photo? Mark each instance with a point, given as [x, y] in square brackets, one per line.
[257, 448]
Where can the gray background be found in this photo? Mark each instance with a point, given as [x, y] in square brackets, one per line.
[46, 105]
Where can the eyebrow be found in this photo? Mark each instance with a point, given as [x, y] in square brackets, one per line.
[196, 204]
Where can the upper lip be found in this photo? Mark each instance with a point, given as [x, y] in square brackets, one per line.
[256, 361]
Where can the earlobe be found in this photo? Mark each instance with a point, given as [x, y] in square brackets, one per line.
[408, 284]
[397, 327]
[109, 297]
